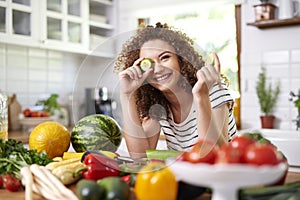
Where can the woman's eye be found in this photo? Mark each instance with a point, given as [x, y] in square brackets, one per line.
[165, 57]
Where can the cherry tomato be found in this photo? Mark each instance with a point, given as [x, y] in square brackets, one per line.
[202, 152]
[228, 154]
[26, 112]
[11, 182]
[1, 182]
[261, 154]
[35, 114]
[126, 178]
[45, 114]
[241, 143]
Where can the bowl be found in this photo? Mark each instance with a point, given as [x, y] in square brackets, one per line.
[226, 179]
[28, 123]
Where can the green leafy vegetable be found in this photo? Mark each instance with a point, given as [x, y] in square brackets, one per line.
[50, 104]
[14, 156]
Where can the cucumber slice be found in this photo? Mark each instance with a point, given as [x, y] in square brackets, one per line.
[210, 59]
[146, 64]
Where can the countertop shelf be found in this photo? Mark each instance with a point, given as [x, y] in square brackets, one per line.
[275, 23]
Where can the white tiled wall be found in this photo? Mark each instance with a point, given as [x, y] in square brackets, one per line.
[33, 74]
[278, 49]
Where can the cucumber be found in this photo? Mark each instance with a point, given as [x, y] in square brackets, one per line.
[211, 59]
[271, 192]
[146, 64]
[162, 154]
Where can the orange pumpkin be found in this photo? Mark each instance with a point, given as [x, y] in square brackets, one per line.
[51, 137]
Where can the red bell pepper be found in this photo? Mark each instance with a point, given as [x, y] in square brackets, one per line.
[98, 167]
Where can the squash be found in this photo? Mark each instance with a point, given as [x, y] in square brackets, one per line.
[51, 137]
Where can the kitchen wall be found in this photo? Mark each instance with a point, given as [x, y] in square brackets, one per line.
[279, 50]
[35, 73]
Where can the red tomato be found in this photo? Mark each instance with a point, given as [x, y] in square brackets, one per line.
[26, 112]
[261, 154]
[35, 114]
[11, 182]
[1, 182]
[45, 114]
[241, 143]
[228, 154]
[202, 152]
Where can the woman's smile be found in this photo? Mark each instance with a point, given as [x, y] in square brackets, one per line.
[166, 72]
[163, 78]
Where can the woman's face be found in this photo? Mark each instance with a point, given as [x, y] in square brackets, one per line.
[166, 72]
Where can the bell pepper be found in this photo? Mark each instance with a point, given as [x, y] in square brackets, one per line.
[98, 167]
[152, 178]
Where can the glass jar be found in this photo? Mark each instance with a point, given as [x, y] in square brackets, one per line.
[3, 116]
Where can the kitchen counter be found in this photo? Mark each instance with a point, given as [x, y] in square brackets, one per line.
[19, 136]
[6, 195]
[24, 136]
[292, 176]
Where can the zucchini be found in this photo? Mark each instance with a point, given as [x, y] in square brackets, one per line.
[271, 193]
[146, 64]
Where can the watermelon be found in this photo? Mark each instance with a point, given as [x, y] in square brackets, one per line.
[96, 132]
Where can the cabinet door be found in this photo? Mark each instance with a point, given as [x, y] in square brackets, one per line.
[102, 15]
[63, 25]
[16, 21]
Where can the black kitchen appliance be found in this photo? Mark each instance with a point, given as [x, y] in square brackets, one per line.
[98, 102]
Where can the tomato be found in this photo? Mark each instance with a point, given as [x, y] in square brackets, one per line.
[202, 152]
[45, 114]
[241, 143]
[261, 154]
[1, 182]
[11, 182]
[228, 154]
[35, 114]
[26, 112]
[151, 180]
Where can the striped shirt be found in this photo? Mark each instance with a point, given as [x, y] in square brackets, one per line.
[182, 136]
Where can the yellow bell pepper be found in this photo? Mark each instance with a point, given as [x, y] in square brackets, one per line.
[156, 181]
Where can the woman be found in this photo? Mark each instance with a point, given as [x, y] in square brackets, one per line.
[180, 96]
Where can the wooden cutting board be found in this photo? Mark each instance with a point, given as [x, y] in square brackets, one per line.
[14, 109]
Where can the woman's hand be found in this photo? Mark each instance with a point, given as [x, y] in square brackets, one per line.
[132, 77]
[207, 76]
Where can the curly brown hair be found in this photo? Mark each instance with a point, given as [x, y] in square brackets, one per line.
[189, 60]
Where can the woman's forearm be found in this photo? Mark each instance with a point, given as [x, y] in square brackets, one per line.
[135, 137]
[211, 122]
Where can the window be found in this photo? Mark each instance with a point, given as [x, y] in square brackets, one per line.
[214, 27]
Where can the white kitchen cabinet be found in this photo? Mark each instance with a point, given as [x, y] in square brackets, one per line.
[17, 22]
[76, 26]
[63, 24]
[102, 25]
